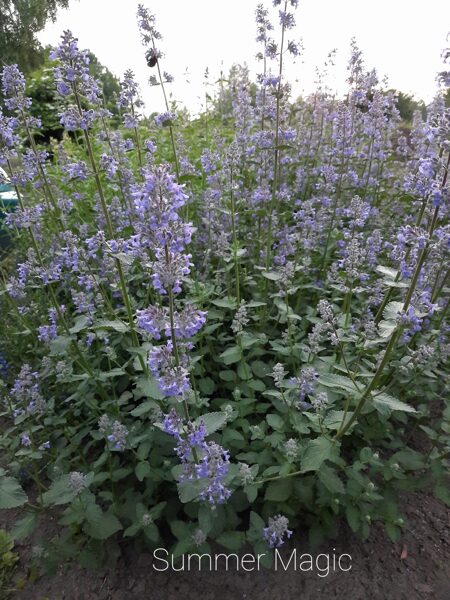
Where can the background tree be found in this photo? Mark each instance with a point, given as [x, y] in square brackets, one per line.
[20, 20]
[47, 104]
[407, 105]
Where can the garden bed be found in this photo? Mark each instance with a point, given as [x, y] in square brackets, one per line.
[417, 567]
[226, 334]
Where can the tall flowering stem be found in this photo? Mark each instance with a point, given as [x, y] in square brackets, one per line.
[149, 34]
[277, 148]
[72, 76]
[396, 335]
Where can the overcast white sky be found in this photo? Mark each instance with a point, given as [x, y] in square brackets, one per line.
[402, 39]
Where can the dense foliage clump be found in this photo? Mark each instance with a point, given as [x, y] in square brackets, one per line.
[224, 329]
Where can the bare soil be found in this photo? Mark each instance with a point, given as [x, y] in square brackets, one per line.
[417, 567]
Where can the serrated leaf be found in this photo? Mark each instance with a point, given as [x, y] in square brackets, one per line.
[213, 421]
[60, 345]
[256, 521]
[260, 368]
[330, 480]
[205, 518]
[316, 452]
[353, 518]
[81, 322]
[59, 492]
[206, 386]
[279, 491]
[332, 380]
[132, 530]
[251, 491]
[387, 271]
[333, 419]
[443, 493]
[275, 421]
[144, 408]
[244, 371]
[116, 325]
[272, 275]
[387, 328]
[11, 493]
[231, 355]
[24, 526]
[103, 528]
[225, 303]
[142, 470]
[391, 311]
[232, 540]
[180, 529]
[190, 490]
[117, 372]
[148, 387]
[385, 403]
[227, 375]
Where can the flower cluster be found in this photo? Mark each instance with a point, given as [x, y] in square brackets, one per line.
[276, 530]
[202, 461]
[115, 432]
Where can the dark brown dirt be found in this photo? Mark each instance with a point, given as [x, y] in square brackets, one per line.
[417, 567]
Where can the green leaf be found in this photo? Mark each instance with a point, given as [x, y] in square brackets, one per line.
[275, 421]
[387, 328]
[330, 480]
[180, 529]
[207, 386]
[232, 540]
[256, 522]
[151, 532]
[279, 491]
[260, 368]
[410, 459]
[393, 531]
[391, 311]
[213, 421]
[132, 530]
[156, 510]
[59, 492]
[143, 450]
[104, 375]
[244, 371]
[352, 514]
[60, 345]
[93, 512]
[144, 408]
[189, 491]
[443, 493]
[142, 470]
[227, 302]
[334, 418]
[385, 404]
[231, 355]
[25, 526]
[147, 387]
[81, 322]
[316, 452]
[205, 518]
[11, 493]
[227, 375]
[272, 275]
[117, 325]
[103, 528]
[251, 492]
[333, 380]
[387, 271]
